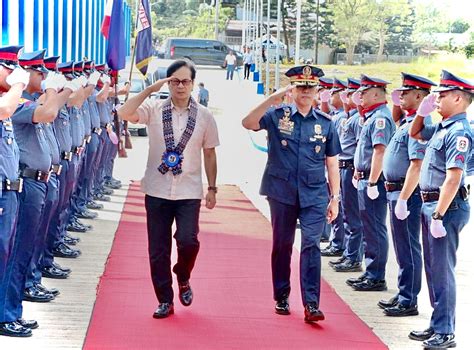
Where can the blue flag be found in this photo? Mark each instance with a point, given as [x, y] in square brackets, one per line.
[116, 38]
[144, 47]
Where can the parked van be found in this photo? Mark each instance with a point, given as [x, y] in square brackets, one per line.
[201, 51]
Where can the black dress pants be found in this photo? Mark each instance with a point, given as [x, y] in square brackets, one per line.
[161, 213]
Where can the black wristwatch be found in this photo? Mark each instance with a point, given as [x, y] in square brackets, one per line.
[212, 188]
[437, 216]
[372, 184]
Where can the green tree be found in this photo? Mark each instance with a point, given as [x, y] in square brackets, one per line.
[400, 33]
[429, 21]
[459, 26]
[351, 19]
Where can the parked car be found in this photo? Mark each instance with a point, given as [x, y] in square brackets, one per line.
[201, 51]
[137, 86]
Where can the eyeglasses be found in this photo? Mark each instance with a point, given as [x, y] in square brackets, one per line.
[185, 82]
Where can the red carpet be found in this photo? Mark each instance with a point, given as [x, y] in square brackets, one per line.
[233, 306]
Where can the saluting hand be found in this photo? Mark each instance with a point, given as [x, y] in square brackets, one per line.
[344, 98]
[427, 106]
[159, 84]
[325, 96]
[356, 98]
[277, 97]
[210, 199]
[396, 97]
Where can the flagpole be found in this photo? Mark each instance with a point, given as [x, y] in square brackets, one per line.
[128, 140]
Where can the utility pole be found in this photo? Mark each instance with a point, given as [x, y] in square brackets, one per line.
[316, 34]
[298, 32]
[267, 41]
[217, 20]
[277, 54]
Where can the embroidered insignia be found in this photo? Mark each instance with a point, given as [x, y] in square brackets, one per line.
[460, 157]
[285, 125]
[307, 71]
[380, 124]
[462, 144]
[318, 129]
[284, 143]
[317, 149]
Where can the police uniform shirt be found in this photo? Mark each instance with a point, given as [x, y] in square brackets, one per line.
[77, 127]
[450, 145]
[86, 118]
[349, 134]
[338, 116]
[103, 113]
[35, 152]
[377, 130]
[470, 163]
[297, 150]
[94, 112]
[9, 152]
[53, 143]
[62, 128]
[401, 150]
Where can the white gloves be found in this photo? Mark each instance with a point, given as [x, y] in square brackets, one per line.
[82, 80]
[344, 98]
[18, 76]
[325, 96]
[401, 209]
[396, 97]
[427, 106]
[105, 79]
[61, 81]
[372, 192]
[437, 229]
[72, 85]
[54, 81]
[356, 98]
[355, 182]
[94, 78]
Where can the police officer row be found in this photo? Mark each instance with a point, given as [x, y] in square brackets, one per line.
[414, 172]
[56, 159]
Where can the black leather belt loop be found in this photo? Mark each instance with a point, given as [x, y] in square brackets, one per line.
[15, 185]
[38, 175]
[97, 131]
[67, 156]
[56, 168]
[345, 164]
[392, 186]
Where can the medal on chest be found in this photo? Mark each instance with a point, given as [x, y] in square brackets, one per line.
[285, 125]
[318, 134]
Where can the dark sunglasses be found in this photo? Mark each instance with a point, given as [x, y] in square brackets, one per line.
[185, 82]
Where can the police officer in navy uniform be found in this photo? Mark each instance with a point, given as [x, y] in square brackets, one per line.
[337, 244]
[13, 80]
[35, 165]
[403, 157]
[375, 135]
[445, 209]
[349, 131]
[301, 141]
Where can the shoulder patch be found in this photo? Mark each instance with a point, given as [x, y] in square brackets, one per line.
[462, 144]
[380, 123]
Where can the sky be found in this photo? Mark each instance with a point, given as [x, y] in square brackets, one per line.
[454, 8]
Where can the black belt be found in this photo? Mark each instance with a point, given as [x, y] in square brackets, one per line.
[392, 186]
[67, 156]
[363, 175]
[16, 185]
[77, 150]
[433, 196]
[56, 168]
[97, 131]
[38, 175]
[344, 164]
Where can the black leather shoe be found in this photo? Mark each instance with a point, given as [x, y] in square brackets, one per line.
[52, 272]
[79, 222]
[337, 262]
[86, 214]
[94, 205]
[35, 295]
[31, 324]
[324, 240]
[107, 191]
[282, 307]
[348, 266]
[71, 240]
[42, 288]
[14, 329]
[331, 251]
[440, 341]
[185, 293]
[312, 313]
[421, 335]
[383, 304]
[63, 251]
[75, 227]
[112, 185]
[400, 310]
[352, 281]
[370, 286]
[164, 310]
[101, 197]
[62, 268]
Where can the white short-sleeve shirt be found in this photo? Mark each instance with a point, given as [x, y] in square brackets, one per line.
[188, 184]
